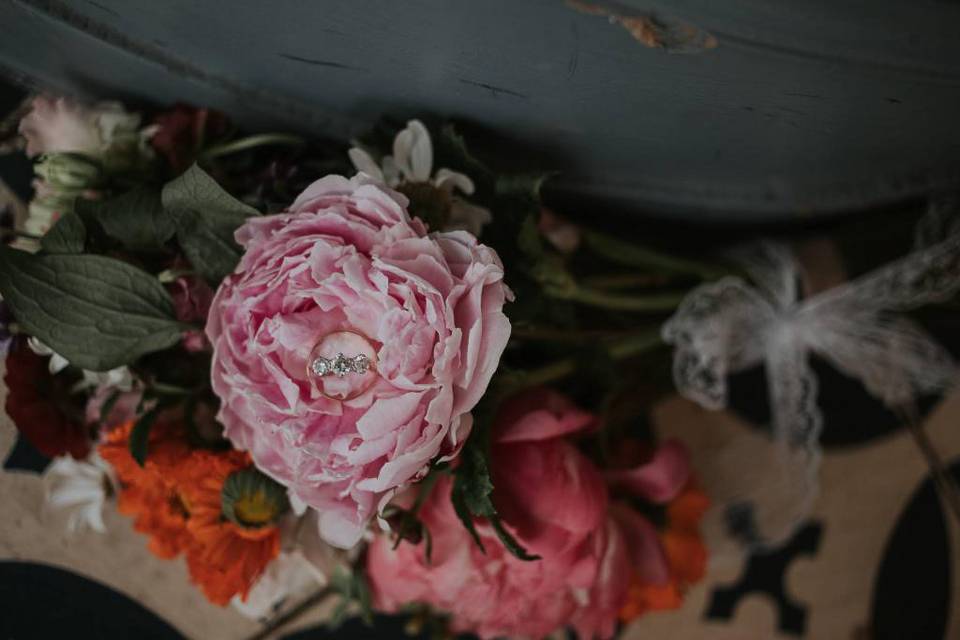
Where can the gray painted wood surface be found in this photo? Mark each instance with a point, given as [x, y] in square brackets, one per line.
[803, 107]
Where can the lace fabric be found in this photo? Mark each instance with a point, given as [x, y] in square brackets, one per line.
[730, 325]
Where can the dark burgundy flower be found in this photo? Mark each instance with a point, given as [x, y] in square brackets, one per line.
[191, 300]
[41, 406]
[183, 131]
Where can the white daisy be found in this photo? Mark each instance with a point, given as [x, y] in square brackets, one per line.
[412, 164]
[79, 488]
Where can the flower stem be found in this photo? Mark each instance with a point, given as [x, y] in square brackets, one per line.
[632, 255]
[252, 142]
[621, 350]
[625, 281]
[545, 334]
[650, 303]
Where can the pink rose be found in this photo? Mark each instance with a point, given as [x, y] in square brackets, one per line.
[554, 500]
[346, 269]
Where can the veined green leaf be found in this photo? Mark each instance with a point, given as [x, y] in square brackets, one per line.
[97, 312]
[206, 218]
[68, 235]
[135, 219]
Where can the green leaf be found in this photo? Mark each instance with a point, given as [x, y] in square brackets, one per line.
[206, 218]
[97, 312]
[135, 219]
[140, 435]
[472, 488]
[68, 235]
[363, 598]
[509, 541]
[352, 586]
[476, 483]
[463, 512]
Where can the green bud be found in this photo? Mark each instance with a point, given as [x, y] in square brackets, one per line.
[69, 172]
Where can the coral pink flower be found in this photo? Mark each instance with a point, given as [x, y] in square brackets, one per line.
[554, 500]
[347, 260]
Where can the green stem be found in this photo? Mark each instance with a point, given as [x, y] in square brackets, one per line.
[541, 334]
[621, 350]
[624, 281]
[170, 389]
[647, 303]
[632, 255]
[251, 142]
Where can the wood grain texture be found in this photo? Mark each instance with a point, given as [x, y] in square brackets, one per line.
[802, 108]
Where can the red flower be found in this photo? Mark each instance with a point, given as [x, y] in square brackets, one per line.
[40, 406]
[183, 131]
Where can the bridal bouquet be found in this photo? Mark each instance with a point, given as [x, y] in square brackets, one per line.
[386, 374]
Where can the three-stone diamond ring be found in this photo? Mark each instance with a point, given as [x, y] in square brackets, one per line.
[341, 365]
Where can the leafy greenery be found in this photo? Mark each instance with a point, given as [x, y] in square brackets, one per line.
[473, 488]
[205, 218]
[135, 219]
[140, 435]
[352, 587]
[68, 235]
[97, 312]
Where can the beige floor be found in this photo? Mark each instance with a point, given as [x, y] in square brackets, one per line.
[863, 491]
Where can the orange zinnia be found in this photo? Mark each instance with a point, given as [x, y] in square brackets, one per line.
[150, 494]
[228, 555]
[177, 498]
[686, 557]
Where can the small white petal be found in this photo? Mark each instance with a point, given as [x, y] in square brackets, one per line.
[38, 347]
[79, 488]
[413, 152]
[450, 180]
[391, 172]
[364, 163]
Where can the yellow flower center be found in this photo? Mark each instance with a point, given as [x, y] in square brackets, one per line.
[180, 504]
[255, 509]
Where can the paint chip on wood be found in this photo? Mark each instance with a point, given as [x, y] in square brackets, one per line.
[650, 29]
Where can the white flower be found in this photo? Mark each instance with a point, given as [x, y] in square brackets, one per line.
[119, 378]
[61, 125]
[80, 488]
[412, 162]
[288, 575]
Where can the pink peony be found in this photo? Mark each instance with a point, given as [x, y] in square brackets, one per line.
[347, 265]
[554, 500]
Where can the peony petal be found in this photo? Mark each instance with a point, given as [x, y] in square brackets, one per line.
[661, 479]
[646, 553]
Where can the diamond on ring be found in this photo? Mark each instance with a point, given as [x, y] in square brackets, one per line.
[341, 365]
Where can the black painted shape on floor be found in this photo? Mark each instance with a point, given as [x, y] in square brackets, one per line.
[911, 598]
[40, 601]
[354, 629]
[852, 417]
[765, 573]
[25, 457]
